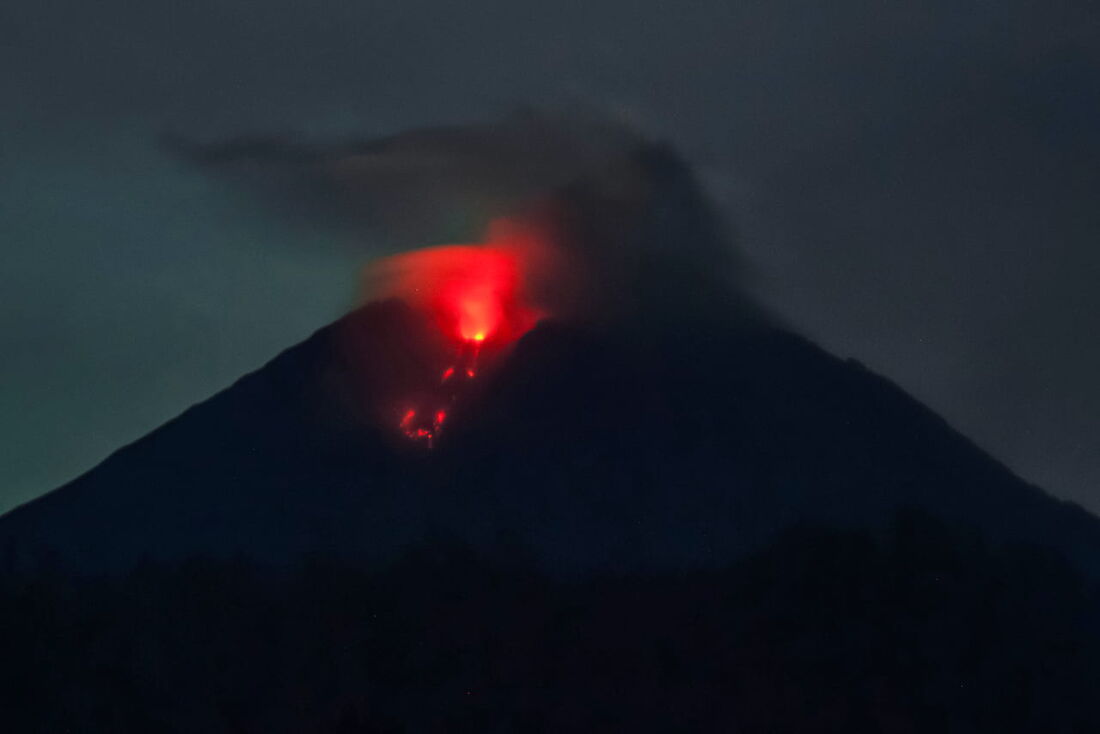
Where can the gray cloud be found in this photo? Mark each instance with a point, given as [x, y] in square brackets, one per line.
[634, 234]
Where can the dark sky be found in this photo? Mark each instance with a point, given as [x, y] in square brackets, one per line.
[915, 185]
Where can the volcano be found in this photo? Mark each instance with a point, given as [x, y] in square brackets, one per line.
[474, 513]
[693, 529]
[646, 449]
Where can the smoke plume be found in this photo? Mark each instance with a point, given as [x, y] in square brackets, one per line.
[614, 225]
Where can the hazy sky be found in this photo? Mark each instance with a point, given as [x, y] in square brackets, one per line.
[915, 185]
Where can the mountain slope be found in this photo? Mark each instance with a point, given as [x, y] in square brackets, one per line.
[684, 444]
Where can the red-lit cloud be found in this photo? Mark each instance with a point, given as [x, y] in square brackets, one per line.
[480, 297]
[475, 293]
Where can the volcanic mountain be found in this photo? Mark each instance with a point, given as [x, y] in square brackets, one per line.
[634, 504]
[706, 529]
[594, 449]
[654, 420]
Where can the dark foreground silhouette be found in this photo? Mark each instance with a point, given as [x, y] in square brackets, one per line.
[924, 629]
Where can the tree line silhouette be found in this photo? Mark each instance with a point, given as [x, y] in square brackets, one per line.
[921, 628]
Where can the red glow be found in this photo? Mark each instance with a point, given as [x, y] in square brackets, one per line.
[422, 432]
[476, 293]
[480, 298]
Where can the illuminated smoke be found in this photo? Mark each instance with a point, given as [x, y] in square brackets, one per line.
[478, 292]
[480, 298]
[574, 220]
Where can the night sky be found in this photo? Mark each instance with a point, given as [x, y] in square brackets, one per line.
[913, 186]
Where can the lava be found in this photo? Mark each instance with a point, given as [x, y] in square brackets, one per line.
[423, 433]
[479, 298]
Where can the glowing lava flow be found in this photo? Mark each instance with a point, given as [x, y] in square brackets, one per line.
[426, 426]
[477, 296]
[420, 432]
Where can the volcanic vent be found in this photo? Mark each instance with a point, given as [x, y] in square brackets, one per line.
[474, 301]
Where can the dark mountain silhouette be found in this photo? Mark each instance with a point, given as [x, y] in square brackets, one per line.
[596, 450]
[670, 530]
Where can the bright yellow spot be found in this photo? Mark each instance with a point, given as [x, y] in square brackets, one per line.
[479, 337]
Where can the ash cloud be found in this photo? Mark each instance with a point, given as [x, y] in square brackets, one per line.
[415, 187]
[637, 232]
